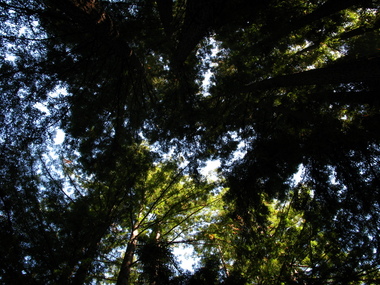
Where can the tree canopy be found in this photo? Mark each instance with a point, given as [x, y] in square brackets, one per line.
[145, 93]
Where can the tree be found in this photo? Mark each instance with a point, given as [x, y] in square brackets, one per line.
[169, 209]
[294, 83]
[295, 245]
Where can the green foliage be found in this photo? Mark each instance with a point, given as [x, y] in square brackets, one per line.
[294, 84]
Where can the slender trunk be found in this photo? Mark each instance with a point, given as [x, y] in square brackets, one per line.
[125, 270]
[157, 265]
[226, 272]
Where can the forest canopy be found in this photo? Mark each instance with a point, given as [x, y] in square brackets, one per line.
[146, 93]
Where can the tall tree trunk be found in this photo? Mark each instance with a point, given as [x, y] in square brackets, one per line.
[362, 70]
[154, 277]
[85, 264]
[125, 270]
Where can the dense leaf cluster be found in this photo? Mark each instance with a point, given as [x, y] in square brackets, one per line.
[292, 86]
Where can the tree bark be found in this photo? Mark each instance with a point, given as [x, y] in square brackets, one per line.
[125, 270]
[165, 9]
[363, 70]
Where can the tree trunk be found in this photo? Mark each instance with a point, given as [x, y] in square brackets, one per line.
[363, 70]
[157, 265]
[125, 270]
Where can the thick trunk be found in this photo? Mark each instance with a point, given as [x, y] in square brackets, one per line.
[125, 270]
[85, 265]
[165, 9]
[364, 70]
[358, 97]
[77, 270]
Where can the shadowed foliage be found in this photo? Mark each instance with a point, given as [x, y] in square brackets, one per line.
[145, 93]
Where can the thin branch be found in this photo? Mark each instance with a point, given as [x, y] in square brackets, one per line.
[54, 180]
[163, 193]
